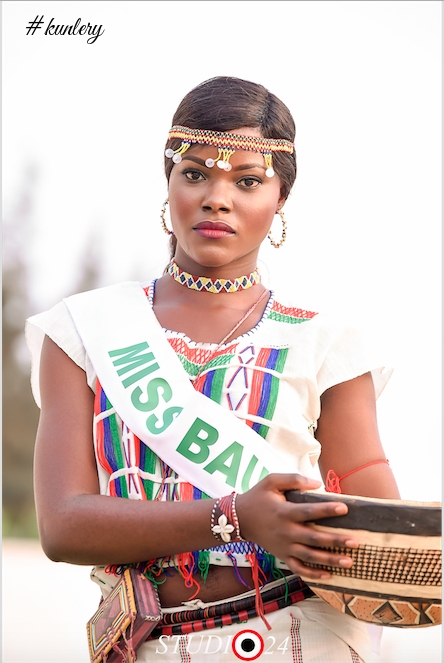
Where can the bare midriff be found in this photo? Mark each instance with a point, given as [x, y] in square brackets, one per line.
[221, 583]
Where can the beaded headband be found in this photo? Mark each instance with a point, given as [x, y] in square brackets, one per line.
[226, 144]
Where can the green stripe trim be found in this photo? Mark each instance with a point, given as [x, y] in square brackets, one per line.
[150, 467]
[280, 317]
[118, 452]
[274, 391]
[263, 430]
[193, 369]
[217, 385]
[280, 362]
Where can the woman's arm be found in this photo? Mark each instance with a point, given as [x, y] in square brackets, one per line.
[80, 526]
[76, 524]
[348, 433]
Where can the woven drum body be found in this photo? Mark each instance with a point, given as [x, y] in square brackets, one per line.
[396, 577]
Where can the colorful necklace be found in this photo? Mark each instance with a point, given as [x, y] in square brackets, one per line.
[213, 285]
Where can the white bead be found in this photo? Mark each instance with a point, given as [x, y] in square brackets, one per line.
[221, 165]
[209, 163]
[228, 167]
[169, 153]
[269, 172]
[177, 158]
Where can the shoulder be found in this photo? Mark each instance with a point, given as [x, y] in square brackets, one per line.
[288, 310]
[339, 345]
[58, 323]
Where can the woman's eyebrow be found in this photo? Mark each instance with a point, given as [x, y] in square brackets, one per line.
[191, 157]
[247, 166]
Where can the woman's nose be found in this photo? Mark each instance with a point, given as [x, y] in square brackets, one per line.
[217, 197]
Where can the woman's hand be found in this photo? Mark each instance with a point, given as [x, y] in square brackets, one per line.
[266, 517]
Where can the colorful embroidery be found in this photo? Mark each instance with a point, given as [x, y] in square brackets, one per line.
[290, 315]
[238, 385]
[265, 387]
[245, 376]
[354, 656]
[185, 656]
[296, 646]
[192, 358]
[109, 443]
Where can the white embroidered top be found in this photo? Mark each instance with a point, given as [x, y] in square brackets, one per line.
[271, 377]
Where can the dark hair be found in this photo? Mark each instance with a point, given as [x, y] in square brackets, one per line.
[225, 103]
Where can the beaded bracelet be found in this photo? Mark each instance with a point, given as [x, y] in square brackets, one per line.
[224, 520]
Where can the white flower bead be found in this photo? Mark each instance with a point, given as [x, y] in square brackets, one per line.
[223, 528]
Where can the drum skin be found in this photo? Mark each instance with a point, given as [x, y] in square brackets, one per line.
[396, 578]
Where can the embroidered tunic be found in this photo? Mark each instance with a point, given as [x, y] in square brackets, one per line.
[272, 378]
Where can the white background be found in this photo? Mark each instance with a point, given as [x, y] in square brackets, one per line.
[363, 81]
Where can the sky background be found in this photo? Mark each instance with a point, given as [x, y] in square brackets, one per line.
[363, 81]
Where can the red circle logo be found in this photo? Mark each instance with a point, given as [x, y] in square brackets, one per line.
[248, 645]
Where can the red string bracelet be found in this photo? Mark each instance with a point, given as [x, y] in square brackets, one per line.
[332, 480]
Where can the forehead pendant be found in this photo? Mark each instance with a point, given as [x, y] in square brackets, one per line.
[227, 144]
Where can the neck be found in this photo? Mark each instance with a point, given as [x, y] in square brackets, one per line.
[213, 264]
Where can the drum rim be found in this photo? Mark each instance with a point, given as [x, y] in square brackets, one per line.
[376, 514]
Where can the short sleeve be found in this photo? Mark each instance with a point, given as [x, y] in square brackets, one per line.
[346, 352]
[58, 324]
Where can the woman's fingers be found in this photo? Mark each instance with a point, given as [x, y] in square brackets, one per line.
[284, 482]
[322, 557]
[309, 536]
[296, 566]
[308, 512]
[301, 556]
[268, 518]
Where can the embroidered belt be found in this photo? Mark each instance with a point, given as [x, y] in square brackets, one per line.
[232, 612]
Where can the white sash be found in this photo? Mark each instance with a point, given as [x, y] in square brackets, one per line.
[147, 385]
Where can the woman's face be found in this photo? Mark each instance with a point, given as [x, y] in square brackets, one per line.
[221, 217]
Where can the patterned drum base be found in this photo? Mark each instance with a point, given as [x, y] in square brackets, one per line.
[385, 610]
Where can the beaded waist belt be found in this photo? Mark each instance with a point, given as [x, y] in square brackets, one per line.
[232, 612]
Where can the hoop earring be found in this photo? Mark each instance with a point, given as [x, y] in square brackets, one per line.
[162, 218]
[277, 245]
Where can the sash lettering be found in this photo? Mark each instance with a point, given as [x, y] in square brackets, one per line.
[195, 444]
[146, 384]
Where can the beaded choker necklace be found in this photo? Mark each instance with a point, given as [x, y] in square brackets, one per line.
[213, 285]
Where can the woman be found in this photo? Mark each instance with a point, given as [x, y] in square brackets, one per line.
[273, 386]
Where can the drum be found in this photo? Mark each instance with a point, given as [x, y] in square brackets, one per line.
[396, 576]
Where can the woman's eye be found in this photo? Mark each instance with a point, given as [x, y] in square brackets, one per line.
[249, 182]
[193, 175]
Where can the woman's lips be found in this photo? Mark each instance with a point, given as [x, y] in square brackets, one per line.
[213, 230]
